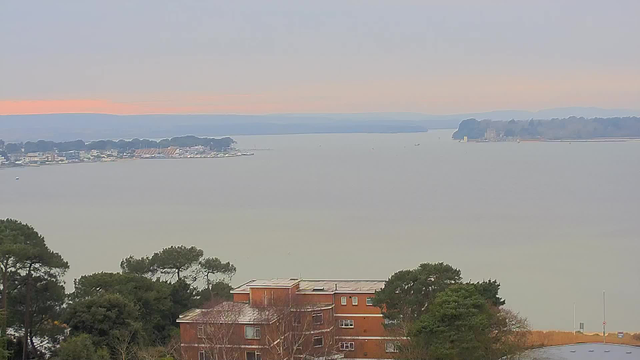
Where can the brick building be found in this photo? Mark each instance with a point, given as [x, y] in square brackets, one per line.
[290, 319]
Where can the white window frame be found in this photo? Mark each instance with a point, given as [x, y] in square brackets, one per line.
[202, 355]
[392, 346]
[346, 323]
[257, 356]
[256, 332]
[369, 301]
[313, 341]
[343, 300]
[200, 331]
[347, 346]
[314, 316]
[354, 300]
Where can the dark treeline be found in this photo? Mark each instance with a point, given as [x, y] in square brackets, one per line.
[121, 315]
[121, 145]
[572, 128]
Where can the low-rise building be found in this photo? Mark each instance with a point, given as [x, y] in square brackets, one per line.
[284, 318]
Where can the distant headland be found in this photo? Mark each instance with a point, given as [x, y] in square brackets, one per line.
[41, 152]
[571, 128]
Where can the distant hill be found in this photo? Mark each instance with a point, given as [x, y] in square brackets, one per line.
[66, 127]
[572, 128]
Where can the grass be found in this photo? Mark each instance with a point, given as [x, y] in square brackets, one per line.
[552, 338]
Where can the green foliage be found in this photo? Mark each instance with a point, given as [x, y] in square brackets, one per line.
[219, 290]
[489, 291]
[456, 326]
[141, 266]
[46, 306]
[80, 348]
[27, 262]
[215, 267]
[100, 316]
[407, 293]
[152, 299]
[175, 261]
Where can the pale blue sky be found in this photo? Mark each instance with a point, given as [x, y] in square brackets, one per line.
[318, 56]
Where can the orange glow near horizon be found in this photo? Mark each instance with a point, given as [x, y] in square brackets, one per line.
[32, 107]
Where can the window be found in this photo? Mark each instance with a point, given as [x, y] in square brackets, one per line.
[318, 341]
[390, 321]
[297, 319]
[317, 318]
[200, 331]
[343, 300]
[202, 355]
[252, 332]
[370, 301]
[347, 346]
[392, 347]
[253, 355]
[346, 324]
[354, 301]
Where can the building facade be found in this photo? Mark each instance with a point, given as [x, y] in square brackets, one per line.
[291, 319]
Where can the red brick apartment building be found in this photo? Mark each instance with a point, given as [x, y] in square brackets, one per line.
[290, 319]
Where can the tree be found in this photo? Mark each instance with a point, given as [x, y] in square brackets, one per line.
[141, 266]
[12, 250]
[152, 299]
[103, 315]
[462, 324]
[46, 310]
[407, 293]
[457, 326]
[489, 291]
[216, 274]
[38, 260]
[175, 261]
[510, 333]
[80, 348]
[23, 252]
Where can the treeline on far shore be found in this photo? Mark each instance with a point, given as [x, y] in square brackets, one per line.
[121, 145]
[572, 128]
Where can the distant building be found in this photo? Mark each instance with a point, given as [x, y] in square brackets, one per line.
[491, 134]
[272, 319]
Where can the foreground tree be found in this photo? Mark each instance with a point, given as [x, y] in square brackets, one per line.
[407, 293]
[152, 299]
[24, 254]
[80, 348]
[457, 326]
[46, 311]
[103, 316]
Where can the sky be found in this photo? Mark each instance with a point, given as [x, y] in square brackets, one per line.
[256, 56]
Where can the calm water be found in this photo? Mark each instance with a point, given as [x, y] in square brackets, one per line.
[556, 223]
[584, 352]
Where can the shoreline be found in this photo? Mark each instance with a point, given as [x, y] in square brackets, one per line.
[112, 160]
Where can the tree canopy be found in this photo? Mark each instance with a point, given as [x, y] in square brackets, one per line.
[446, 319]
[408, 292]
[124, 315]
[572, 128]
[121, 145]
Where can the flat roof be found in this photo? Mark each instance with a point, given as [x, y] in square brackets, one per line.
[316, 285]
[230, 313]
